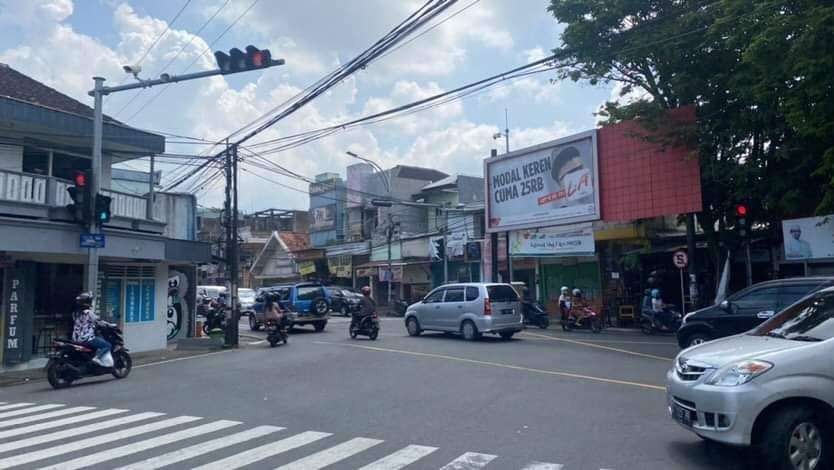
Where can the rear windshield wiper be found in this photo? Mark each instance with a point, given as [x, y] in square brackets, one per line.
[813, 339]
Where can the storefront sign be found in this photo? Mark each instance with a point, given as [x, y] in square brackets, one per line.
[395, 275]
[562, 241]
[549, 184]
[324, 218]
[112, 300]
[148, 303]
[306, 267]
[92, 240]
[19, 293]
[133, 301]
[809, 238]
[366, 272]
[340, 266]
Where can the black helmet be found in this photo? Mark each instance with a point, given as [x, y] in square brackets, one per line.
[84, 299]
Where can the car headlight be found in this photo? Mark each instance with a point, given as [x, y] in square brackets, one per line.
[739, 373]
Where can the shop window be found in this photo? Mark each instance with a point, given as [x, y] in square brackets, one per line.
[128, 293]
[35, 161]
[65, 166]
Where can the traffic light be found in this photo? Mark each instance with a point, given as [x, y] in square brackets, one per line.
[239, 61]
[741, 219]
[439, 248]
[80, 195]
[102, 209]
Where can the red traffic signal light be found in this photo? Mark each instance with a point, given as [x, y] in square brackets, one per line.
[239, 61]
[741, 210]
[80, 179]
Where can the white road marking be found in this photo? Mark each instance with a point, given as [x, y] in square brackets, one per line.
[265, 451]
[32, 409]
[14, 405]
[59, 423]
[74, 432]
[93, 441]
[469, 461]
[141, 446]
[43, 416]
[332, 455]
[203, 448]
[543, 466]
[254, 343]
[401, 458]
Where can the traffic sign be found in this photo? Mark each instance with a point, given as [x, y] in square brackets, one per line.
[680, 259]
[92, 240]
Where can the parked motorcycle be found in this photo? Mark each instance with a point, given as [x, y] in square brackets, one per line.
[536, 315]
[367, 325]
[277, 331]
[73, 361]
[591, 321]
[667, 321]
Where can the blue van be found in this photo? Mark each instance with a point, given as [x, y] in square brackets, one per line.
[308, 302]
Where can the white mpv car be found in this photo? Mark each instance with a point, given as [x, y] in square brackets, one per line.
[772, 387]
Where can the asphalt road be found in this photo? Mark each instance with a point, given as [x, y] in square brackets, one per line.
[544, 399]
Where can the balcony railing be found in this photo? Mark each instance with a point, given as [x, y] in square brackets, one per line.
[52, 192]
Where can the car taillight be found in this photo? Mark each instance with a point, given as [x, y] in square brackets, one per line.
[487, 307]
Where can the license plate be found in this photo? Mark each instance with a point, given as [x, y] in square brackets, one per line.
[507, 311]
[682, 415]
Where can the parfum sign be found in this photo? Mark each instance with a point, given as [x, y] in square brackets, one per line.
[17, 327]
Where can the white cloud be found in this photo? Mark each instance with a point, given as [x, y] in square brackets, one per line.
[534, 54]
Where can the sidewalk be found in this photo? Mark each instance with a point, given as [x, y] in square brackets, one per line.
[19, 377]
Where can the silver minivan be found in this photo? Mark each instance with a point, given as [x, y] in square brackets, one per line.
[772, 387]
[470, 309]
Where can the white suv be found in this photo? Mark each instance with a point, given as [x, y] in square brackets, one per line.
[772, 387]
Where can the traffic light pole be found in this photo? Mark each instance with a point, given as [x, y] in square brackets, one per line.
[445, 247]
[91, 278]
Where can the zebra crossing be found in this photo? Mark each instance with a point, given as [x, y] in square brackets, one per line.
[60, 437]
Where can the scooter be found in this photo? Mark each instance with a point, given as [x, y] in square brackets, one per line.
[535, 314]
[277, 331]
[73, 361]
[667, 321]
[215, 318]
[591, 321]
[367, 325]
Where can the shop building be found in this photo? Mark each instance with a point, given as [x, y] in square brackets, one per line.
[46, 138]
[284, 258]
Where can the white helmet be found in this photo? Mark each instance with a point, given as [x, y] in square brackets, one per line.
[577, 292]
[565, 290]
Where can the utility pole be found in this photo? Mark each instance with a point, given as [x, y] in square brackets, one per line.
[445, 246]
[235, 257]
[506, 131]
[390, 235]
[230, 242]
[91, 281]
[693, 269]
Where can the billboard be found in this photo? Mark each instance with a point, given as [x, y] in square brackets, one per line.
[549, 184]
[809, 238]
[324, 218]
[553, 241]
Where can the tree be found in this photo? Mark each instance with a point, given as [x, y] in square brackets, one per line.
[758, 72]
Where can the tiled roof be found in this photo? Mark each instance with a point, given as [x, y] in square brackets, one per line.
[16, 85]
[295, 241]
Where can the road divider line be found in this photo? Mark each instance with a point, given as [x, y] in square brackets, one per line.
[543, 466]
[599, 346]
[265, 451]
[332, 455]
[141, 446]
[202, 448]
[42, 416]
[24, 411]
[401, 458]
[469, 461]
[499, 364]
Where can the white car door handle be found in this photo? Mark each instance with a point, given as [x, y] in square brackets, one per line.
[765, 314]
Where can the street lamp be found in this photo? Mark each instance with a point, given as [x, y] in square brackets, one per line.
[380, 172]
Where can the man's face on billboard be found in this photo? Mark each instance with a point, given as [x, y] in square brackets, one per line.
[796, 233]
[570, 166]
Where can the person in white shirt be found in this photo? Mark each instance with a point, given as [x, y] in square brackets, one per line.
[795, 248]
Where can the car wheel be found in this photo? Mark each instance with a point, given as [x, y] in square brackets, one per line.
[319, 325]
[696, 338]
[796, 438]
[320, 306]
[413, 327]
[469, 331]
[506, 336]
[253, 323]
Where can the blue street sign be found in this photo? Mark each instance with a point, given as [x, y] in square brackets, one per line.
[92, 240]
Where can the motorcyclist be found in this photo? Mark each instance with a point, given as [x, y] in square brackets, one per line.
[367, 306]
[578, 306]
[272, 309]
[84, 330]
[657, 301]
[565, 303]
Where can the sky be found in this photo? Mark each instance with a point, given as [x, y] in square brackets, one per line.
[63, 43]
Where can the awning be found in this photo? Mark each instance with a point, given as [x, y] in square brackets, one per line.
[353, 249]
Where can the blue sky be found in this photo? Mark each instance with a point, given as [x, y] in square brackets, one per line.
[63, 43]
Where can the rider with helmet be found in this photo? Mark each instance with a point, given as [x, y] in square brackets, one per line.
[657, 301]
[84, 330]
[578, 306]
[565, 302]
[367, 306]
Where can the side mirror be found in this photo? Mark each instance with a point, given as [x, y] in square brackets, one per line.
[726, 306]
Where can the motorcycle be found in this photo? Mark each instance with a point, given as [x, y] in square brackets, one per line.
[592, 321]
[73, 361]
[277, 331]
[535, 314]
[215, 318]
[667, 321]
[367, 325]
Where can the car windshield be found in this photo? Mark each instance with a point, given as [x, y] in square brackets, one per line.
[808, 320]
